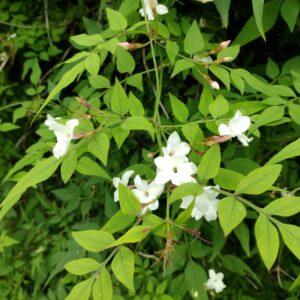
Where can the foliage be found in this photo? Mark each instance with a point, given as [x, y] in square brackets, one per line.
[134, 84]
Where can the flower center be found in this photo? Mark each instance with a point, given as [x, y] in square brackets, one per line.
[146, 194]
[175, 170]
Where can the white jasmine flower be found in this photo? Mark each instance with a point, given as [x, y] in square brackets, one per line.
[63, 133]
[205, 204]
[236, 127]
[152, 9]
[215, 281]
[124, 180]
[147, 193]
[178, 170]
[175, 147]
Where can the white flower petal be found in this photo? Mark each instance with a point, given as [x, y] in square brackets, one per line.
[196, 214]
[161, 9]
[186, 201]
[126, 176]
[162, 177]
[244, 139]
[239, 124]
[224, 130]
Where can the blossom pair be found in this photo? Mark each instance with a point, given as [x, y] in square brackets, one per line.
[63, 133]
[146, 193]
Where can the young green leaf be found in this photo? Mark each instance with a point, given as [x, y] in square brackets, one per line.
[193, 41]
[179, 109]
[116, 20]
[119, 100]
[81, 290]
[284, 207]
[222, 7]
[82, 266]
[231, 213]
[92, 64]
[172, 49]
[134, 235]
[86, 40]
[125, 61]
[181, 65]
[128, 202]
[138, 123]
[222, 74]
[87, 166]
[258, 8]
[118, 222]
[228, 179]
[195, 278]
[291, 237]
[135, 106]
[267, 240]
[289, 11]
[219, 107]
[210, 164]
[99, 146]
[205, 101]
[93, 240]
[136, 81]
[39, 173]
[259, 180]
[289, 151]
[68, 166]
[294, 112]
[272, 69]
[243, 235]
[123, 267]
[102, 289]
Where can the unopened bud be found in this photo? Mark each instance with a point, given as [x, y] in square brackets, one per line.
[216, 139]
[225, 44]
[129, 46]
[150, 155]
[214, 84]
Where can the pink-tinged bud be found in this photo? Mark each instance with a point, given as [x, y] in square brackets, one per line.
[227, 58]
[216, 139]
[225, 44]
[129, 46]
[214, 84]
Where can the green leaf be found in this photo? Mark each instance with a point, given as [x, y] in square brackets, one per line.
[136, 81]
[123, 267]
[99, 82]
[134, 235]
[193, 41]
[192, 133]
[172, 49]
[195, 278]
[181, 65]
[116, 20]
[243, 235]
[185, 189]
[92, 64]
[289, 151]
[237, 81]
[231, 52]
[179, 109]
[222, 74]
[68, 166]
[219, 107]
[119, 100]
[93, 240]
[228, 179]
[135, 106]
[87, 166]
[294, 112]
[267, 240]
[272, 69]
[120, 135]
[231, 213]
[269, 115]
[87, 40]
[66, 80]
[4, 127]
[258, 8]
[125, 61]
[289, 11]
[103, 289]
[250, 32]
[39, 173]
[82, 266]
[291, 237]
[128, 202]
[259, 180]
[138, 123]
[99, 147]
[206, 99]
[284, 207]
[210, 164]
[222, 7]
[296, 283]
[82, 290]
[118, 222]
